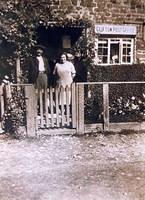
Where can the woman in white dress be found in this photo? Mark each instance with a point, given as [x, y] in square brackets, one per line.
[65, 72]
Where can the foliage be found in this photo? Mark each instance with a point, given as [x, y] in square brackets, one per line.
[85, 44]
[128, 109]
[6, 68]
[92, 111]
[20, 19]
[134, 72]
[126, 103]
[93, 104]
[15, 112]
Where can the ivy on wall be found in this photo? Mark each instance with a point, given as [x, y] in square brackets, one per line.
[20, 19]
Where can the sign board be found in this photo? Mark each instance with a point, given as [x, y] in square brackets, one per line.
[111, 29]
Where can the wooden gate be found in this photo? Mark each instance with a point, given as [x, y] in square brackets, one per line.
[55, 108]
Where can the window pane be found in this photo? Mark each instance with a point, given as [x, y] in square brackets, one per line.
[126, 53]
[128, 59]
[127, 40]
[124, 59]
[104, 59]
[102, 52]
[115, 40]
[114, 53]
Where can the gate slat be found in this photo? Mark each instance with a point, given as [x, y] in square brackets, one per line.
[67, 105]
[51, 107]
[41, 109]
[57, 107]
[62, 105]
[46, 107]
[37, 120]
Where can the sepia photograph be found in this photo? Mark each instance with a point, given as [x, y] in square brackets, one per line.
[72, 100]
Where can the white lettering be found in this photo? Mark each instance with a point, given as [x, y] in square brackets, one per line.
[115, 29]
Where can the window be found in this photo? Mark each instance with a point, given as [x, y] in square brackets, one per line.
[103, 51]
[114, 51]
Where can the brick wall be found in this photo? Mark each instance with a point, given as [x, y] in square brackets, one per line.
[102, 11]
[111, 11]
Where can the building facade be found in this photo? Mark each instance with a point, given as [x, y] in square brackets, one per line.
[124, 36]
[118, 27]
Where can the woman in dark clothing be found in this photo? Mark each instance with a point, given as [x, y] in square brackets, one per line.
[81, 71]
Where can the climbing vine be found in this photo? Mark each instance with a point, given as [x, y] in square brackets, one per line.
[20, 19]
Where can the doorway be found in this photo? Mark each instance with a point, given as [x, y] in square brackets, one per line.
[58, 39]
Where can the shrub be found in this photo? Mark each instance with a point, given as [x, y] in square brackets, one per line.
[15, 112]
[128, 109]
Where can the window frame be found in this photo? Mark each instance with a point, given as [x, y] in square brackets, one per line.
[121, 42]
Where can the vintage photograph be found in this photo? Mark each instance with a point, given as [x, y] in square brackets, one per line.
[72, 100]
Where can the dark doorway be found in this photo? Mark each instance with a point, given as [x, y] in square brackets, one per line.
[57, 39]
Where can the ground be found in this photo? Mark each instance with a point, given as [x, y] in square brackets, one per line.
[98, 167]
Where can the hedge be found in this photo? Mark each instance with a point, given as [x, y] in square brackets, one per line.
[133, 72]
[93, 104]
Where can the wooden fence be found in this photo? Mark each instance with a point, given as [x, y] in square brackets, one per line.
[59, 109]
[105, 125]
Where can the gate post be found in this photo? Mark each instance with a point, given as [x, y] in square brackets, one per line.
[1, 101]
[74, 102]
[31, 107]
[80, 108]
[1, 106]
[106, 106]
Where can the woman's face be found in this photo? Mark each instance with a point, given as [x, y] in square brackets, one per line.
[63, 58]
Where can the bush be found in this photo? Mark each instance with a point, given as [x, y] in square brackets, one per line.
[122, 93]
[128, 109]
[15, 112]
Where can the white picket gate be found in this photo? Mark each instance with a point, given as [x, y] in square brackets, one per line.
[55, 108]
